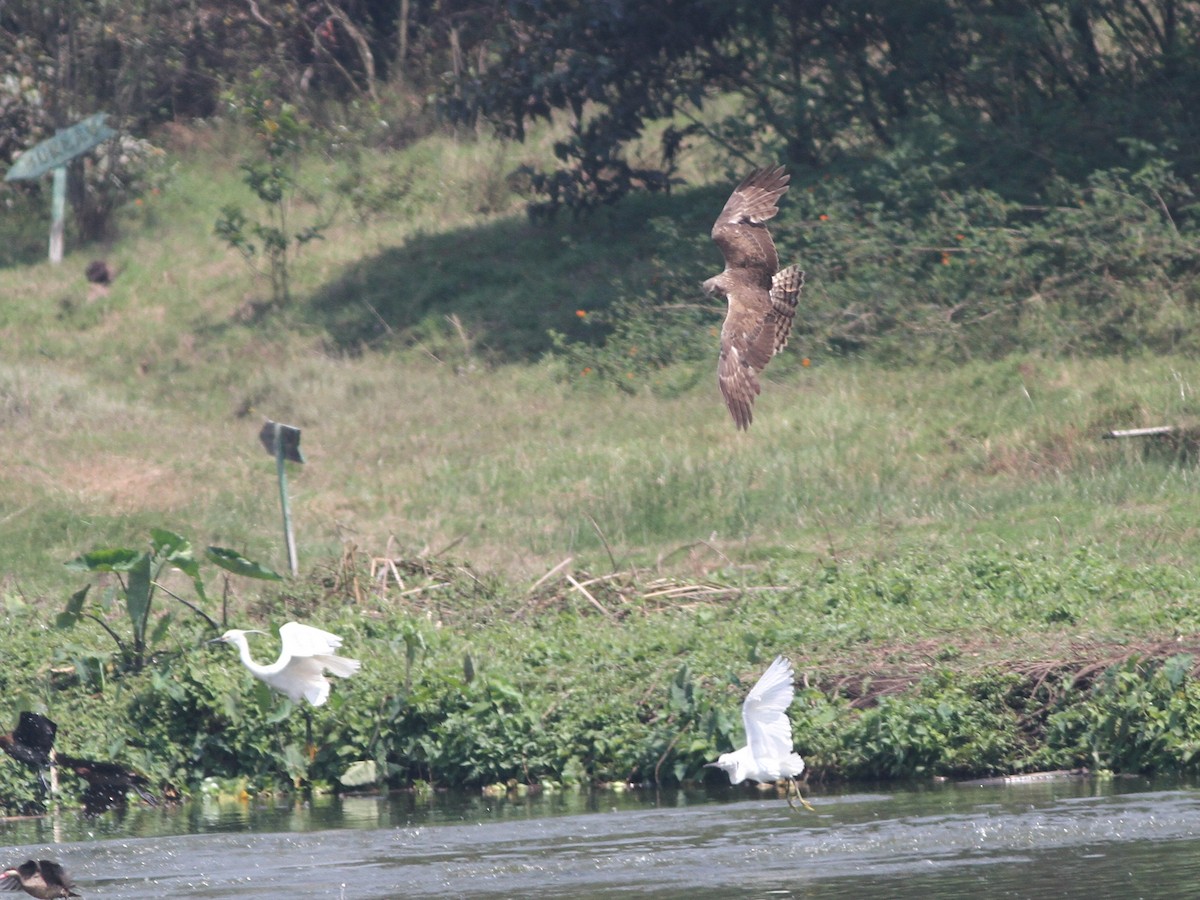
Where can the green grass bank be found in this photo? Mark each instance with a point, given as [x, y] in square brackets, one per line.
[550, 579]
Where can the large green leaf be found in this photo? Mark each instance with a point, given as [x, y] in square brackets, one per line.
[137, 595]
[112, 559]
[168, 544]
[177, 551]
[363, 771]
[69, 616]
[232, 561]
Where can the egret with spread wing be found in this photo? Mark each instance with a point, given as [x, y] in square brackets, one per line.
[306, 655]
[762, 298]
[768, 755]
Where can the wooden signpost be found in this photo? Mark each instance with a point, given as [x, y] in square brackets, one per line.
[53, 154]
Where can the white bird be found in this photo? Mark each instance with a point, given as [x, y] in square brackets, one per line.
[768, 755]
[307, 653]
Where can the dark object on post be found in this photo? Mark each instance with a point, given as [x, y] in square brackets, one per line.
[42, 879]
[283, 442]
[32, 744]
[32, 740]
[288, 437]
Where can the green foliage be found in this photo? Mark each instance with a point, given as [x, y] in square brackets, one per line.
[564, 698]
[1017, 95]
[948, 726]
[661, 335]
[137, 575]
[900, 268]
[274, 180]
[1140, 716]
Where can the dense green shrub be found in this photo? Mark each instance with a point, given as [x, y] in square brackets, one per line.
[1140, 716]
[573, 699]
[901, 268]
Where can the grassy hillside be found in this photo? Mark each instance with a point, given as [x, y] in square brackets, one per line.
[438, 434]
[412, 359]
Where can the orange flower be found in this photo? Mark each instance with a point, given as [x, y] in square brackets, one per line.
[587, 370]
[945, 259]
[806, 362]
[582, 313]
[823, 217]
[958, 237]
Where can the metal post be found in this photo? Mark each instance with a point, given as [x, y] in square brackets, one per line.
[283, 500]
[58, 210]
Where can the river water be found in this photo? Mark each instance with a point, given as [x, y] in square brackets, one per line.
[1070, 838]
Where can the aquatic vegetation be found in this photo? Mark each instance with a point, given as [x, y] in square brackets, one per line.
[921, 668]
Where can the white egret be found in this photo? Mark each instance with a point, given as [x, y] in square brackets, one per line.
[768, 755]
[307, 653]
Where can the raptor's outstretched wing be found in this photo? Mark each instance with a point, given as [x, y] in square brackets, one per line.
[740, 231]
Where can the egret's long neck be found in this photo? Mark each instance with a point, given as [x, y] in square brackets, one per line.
[244, 652]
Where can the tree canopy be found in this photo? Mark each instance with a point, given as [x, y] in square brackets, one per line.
[1014, 93]
[1017, 91]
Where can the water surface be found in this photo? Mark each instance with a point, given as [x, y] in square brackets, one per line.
[1076, 838]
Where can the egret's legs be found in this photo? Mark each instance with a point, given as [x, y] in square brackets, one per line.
[793, 784]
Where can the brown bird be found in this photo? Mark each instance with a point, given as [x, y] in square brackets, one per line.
[42, 879]
[33, 744]
[762, 298]
[107, 782]
[98, 272]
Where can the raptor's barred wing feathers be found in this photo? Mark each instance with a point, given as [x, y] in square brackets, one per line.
[755, 329]
[739, 231]
[785, 293]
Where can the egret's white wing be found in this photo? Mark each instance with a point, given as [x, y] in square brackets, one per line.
[764, 714]
[304, 640]
[302, 677]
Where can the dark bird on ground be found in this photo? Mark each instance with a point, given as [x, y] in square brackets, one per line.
[41, 878]
[762, 297]
[98, 272]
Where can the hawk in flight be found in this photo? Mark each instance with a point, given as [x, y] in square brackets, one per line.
[762, 297]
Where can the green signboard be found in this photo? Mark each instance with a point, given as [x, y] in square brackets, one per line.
[52, 155]
[62, 148]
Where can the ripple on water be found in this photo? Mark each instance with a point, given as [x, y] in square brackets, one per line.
[1076, 840]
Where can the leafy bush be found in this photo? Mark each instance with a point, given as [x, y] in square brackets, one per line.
[273, 179]
[902, 268]
[137, 573]
[1142, 716]
[662, 335]
[947, 727]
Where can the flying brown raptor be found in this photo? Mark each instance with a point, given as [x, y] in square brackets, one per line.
[762, 298]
